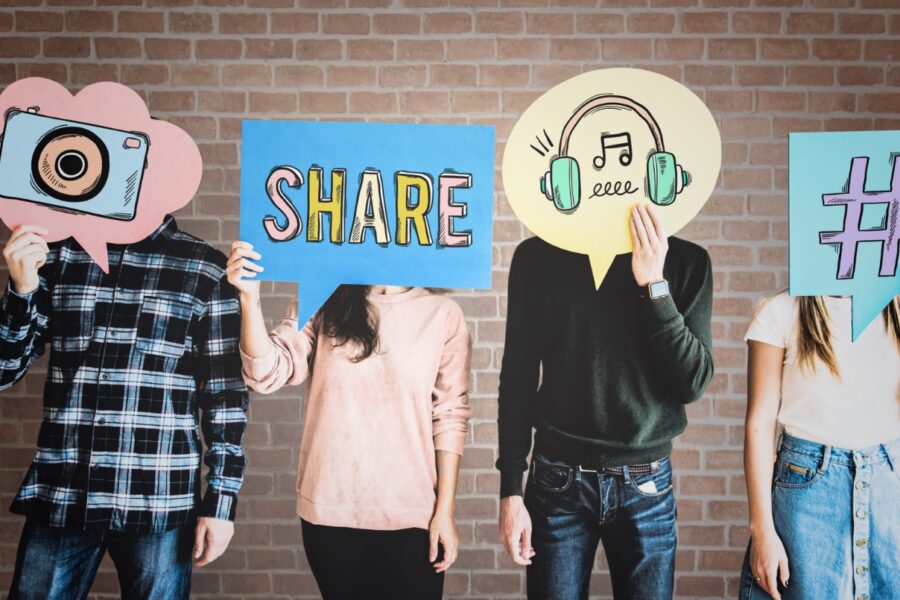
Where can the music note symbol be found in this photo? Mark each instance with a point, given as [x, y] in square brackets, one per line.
[609, 141]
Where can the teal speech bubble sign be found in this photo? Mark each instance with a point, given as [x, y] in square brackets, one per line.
[844, 205]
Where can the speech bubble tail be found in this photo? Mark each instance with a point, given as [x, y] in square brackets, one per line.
[866, 307]
[600, 263]
[96, 248]
[311, 297]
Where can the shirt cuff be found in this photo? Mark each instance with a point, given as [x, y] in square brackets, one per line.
[450, 441]
[660, 313]
[511, 482]
[15, 303]
[258, 368]
[218, 506]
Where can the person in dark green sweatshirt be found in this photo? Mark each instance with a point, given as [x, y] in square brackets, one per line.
[603, 377]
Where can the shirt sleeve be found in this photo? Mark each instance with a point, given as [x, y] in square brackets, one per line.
[223, 400]
[24, 326]
[289, 360]
[680, 332]
[771, 320]
[519, 376]
[450, 410]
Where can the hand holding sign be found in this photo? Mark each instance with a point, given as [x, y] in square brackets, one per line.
[94, 166]
[365, 203]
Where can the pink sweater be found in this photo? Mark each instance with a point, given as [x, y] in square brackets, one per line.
[371, 429]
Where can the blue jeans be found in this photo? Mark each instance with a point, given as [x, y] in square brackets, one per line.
[836, 512]
[60, 564]
[573, 510]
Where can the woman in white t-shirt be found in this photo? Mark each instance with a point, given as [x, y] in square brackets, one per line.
[824, 521]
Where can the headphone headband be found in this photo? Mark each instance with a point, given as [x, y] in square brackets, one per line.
[610, 100]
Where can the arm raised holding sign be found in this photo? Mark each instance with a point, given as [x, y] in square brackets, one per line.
[385, 420]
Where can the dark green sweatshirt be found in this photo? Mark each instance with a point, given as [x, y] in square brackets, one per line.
[618, 367]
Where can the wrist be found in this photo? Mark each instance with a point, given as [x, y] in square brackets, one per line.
[762, 530]
[25, 288]
[644, 281]
[249, 299]
[445, 509]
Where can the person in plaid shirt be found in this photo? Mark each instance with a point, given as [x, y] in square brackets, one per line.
[138, 357]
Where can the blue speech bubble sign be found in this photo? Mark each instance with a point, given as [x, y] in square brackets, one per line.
[368, 203]
[844, 200]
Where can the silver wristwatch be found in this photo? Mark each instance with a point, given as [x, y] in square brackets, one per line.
[658, 289]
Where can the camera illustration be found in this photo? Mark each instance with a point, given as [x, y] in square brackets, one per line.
[71, 166]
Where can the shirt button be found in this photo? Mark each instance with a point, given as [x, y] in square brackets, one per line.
[101, 421]
[861, 543]
[104, 376]
[861, 570]
[861, 485]
[861, 514]
[95, 468]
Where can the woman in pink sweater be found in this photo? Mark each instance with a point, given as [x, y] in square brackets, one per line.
[385, 420]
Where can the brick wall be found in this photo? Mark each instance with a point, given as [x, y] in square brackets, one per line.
[764, 67]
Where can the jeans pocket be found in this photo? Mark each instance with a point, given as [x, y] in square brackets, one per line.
[653, 485]
[796, 471]
[549, 476]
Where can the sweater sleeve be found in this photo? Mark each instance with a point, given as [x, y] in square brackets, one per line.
[680, 333]
[519, 375]
[289, 360]
[450, 410]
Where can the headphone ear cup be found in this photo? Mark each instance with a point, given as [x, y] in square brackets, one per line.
[564, 181]
[665, 178]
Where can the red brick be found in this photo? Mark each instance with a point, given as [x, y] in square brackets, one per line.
[882, 50]
[167, 49]
[369, 49]
[627, 49]
[242, 23]
[298, 75]
[651, 22]
[703, 22]
[89, 20]
[575, 49]
[784, 49]
[351, 76]
[373, 102]
[313, 49]
[397, 24]
[833, 49]
[67, 47]
[84, 74]
[756, 22]
[881, 102]
[679, 49]
[732, 49]
[323, 102]
[346, 24]
[448, 23]
[861, 23]
[810, 23]
[294, 23]
[140, 22]
[183, 22]
[606, 23]
[268, 48]
[506, 23]
[144, 74]
[551, 23]
[117, 48]
[810, 75]
[708, 75]
[420, 50]
[246, 75]
[32, 21]
[752, 75]
[862, 76]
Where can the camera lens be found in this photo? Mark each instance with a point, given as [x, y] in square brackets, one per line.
[70, 163]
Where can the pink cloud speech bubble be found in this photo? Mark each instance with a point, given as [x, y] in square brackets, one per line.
[117, 123]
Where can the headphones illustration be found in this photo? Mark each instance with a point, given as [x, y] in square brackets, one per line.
[665, 177]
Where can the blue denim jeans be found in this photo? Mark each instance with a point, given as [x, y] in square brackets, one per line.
[60, 564]
[836, 512]
[573, 510]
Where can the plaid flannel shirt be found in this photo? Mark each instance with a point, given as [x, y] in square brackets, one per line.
[138, 357]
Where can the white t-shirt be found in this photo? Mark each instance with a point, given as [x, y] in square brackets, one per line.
[858, 410]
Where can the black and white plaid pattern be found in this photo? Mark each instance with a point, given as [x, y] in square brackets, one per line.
[138, 357]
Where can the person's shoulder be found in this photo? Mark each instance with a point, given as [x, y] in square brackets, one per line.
[189, 246]
[778, 301]
[444, 307]
[688, 252]
[534, 249]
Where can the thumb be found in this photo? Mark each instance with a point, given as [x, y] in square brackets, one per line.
[433, 539]
[199, 540]
[785, 571]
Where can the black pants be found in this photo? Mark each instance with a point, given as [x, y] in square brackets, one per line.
[354, 564]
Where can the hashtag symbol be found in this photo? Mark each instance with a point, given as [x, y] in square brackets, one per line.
[854, 199]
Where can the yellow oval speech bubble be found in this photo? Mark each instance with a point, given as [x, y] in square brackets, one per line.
[589, 149]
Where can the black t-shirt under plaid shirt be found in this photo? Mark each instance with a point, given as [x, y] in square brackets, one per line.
[139, 356]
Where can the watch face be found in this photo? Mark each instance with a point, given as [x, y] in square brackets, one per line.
[658, 289]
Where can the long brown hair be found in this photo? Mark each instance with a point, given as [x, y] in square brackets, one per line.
[348, 317]
[814, 337]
